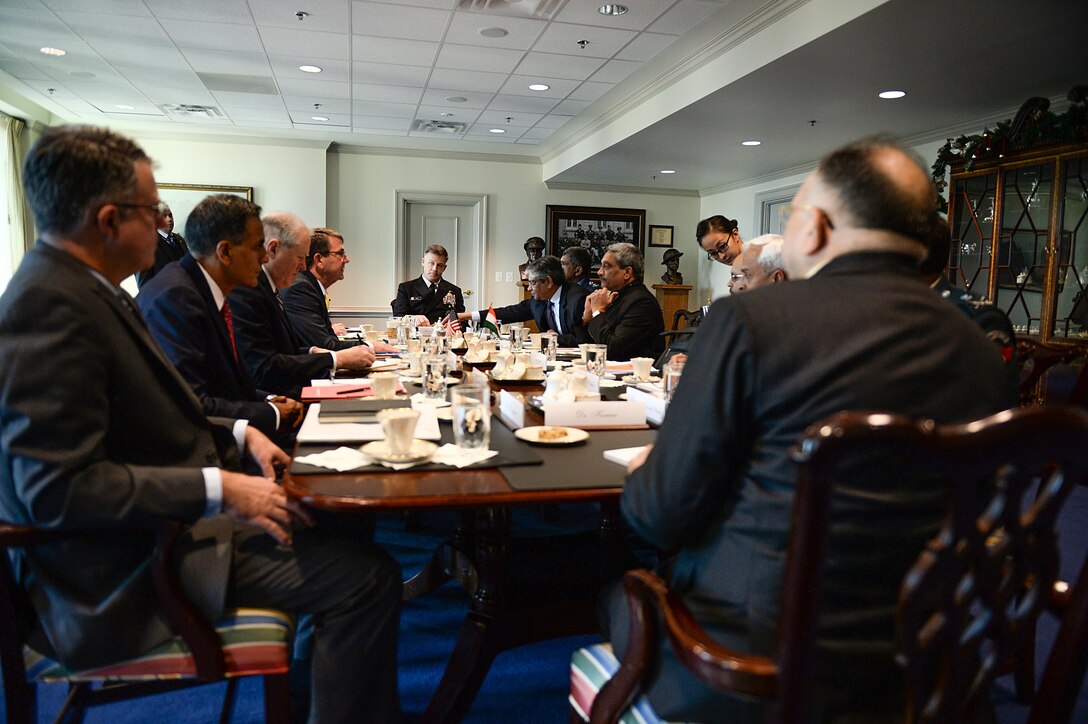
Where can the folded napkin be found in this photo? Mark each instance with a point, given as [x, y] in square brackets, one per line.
[450, 454]
[343, 459]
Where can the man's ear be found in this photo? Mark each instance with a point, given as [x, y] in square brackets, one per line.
[106, 219]
[223, 252]
[272, 245]
[778, 276]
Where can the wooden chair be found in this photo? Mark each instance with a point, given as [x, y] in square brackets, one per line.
[245, 642]
[990, 575]
[1043, 368]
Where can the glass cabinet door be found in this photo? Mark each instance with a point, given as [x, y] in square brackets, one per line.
[1021, 244]
[1071, 314]
[973, 205]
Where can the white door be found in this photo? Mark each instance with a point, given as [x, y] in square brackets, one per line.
[452, 226]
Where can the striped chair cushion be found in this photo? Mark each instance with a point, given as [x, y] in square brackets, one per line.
[590, 668]
[254, 640]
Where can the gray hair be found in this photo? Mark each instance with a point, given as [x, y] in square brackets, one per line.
[628, 255]
[546, 266]
[770, 255]
[285, 226]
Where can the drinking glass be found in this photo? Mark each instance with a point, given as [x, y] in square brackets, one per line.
[549, 344]
[403, 330]
[672, 371]
[471, 413]
[391, 325]
[515, 339]
[434, 377]
[596, 359]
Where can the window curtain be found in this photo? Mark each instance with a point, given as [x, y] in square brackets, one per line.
[13, 238]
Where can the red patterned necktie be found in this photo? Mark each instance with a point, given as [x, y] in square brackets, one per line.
[228, 319]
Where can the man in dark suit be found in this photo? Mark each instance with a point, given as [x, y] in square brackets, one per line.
[624, 314]
[854, 329]
[555, 305]
[577, 264]
[187, 312]
[430, 297]
[276, 358]
[100, 433]
[169, 247]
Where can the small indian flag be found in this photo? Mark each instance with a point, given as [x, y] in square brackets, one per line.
[491, 321]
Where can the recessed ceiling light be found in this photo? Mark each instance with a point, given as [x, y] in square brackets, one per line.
[126, 108]
[668, 170]
[319, 118]
[612, 9]
[893, 94]
[309, 69]
[493, 32]
[446, 115]
[498, 130]
[456, 99]
[53, 51]
[753, 142]
[539, 86]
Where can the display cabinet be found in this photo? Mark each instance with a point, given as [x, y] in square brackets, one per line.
[1019, 228]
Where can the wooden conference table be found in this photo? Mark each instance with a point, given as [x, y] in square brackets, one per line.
[481, 555]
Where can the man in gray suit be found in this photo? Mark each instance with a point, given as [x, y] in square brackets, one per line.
[99, 432]
[855, 329]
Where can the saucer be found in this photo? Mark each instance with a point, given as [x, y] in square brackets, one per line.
[379, 450]
[532, 435]
[632, 380]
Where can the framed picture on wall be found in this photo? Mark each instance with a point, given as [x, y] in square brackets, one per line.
[660, 236]
[593, 228]
[183, 198]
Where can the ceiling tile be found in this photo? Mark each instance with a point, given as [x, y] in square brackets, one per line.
[305, 43]
[564, 37]
[116, 7]
[438, 4]
[335, 119]
[278, 115]
[287, 68]
[83, 70]
[398, 22]
[6, 52]
[328, 89]
[391, 93]
[234, 99]
[384, 110]
[467, 80]
[459, 115]
[322, 127]
[481, 132]
[228, 11]
[523, 32]
[468, 57]
[527, 141]
[404, 75]
[22, 69]
[265, 124]
[615, 70]
[328, 105]
[367, 48]
[139, 108]
[524, 104]
[34, 29]
[433, 97]
[82, 108]
[684, 16]
[214, 36]
[537, 134]
[165, 55]
[571, 108]
[378, 123]
[590, 91]
[148, 75]
[168, 94]
[518, 85]
[227, 62]
[517, 120]
[329, 16]
[120, 28]
[637, 17]
[555, 65]
[646, 46]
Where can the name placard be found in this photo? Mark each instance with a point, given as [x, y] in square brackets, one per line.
[512, 410]
[655, 406]
[589, 415]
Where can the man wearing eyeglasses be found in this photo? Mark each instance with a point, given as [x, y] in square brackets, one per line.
[759, 264]
[556, 304]
[169, 247]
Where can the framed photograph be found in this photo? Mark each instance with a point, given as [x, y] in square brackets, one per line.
[182, 198]
[594, 229]
[660, 235]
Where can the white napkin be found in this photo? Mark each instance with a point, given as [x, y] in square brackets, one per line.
[343, 459]
[612, 383]
[450, 454]
[419, 402]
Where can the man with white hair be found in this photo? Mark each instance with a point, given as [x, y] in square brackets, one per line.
[759, 264]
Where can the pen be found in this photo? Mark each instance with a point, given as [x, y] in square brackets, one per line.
[353, 389]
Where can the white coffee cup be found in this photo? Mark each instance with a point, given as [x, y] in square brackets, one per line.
[641, 367]
[399, 426]
[384, 385]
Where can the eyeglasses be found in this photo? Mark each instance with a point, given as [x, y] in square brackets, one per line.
[341, 253]
[789, 211]
[160, 209]
[537, 281]
[722, 247]
[737, 277]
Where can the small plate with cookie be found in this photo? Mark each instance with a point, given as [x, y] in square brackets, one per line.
[551, 435]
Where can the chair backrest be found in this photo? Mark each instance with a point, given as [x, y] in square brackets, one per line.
[1052, 374]
[689, 319]
[969, 604]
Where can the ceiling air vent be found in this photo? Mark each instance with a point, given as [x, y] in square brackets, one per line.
[188, 110]
[443, 127]
[539, 9]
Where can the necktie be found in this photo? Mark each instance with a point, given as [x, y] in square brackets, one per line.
[553, 323]
[326, 301]
[434, 289]
[228, 319]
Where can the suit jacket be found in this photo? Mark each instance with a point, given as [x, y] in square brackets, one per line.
[588, 284]
[309, 317]
[167, 250]
[572, 302]
[275, 357]
[100, 433]
[414, 297]
[631, 326]
[718, 485]
[184, 320]
[991, 320]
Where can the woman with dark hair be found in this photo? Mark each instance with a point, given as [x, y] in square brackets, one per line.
[719, 238]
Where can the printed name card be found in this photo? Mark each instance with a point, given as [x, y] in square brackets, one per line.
[589, 415]
[512, 410]
[655, 406]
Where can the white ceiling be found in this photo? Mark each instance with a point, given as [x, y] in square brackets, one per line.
[390, 65]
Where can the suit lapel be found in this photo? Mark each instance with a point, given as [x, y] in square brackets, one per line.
[240, 375]
[320, 295]
[277, 310]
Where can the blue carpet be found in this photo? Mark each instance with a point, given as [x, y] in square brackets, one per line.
[528, 685]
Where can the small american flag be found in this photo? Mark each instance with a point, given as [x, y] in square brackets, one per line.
[453, 324]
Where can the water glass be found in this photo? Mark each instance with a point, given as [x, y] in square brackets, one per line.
[596, 359]
[471, 413]
[391, 325]
[549, 344]
[403, 330]
[434, 377]
[516, 342]
[672, 371]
